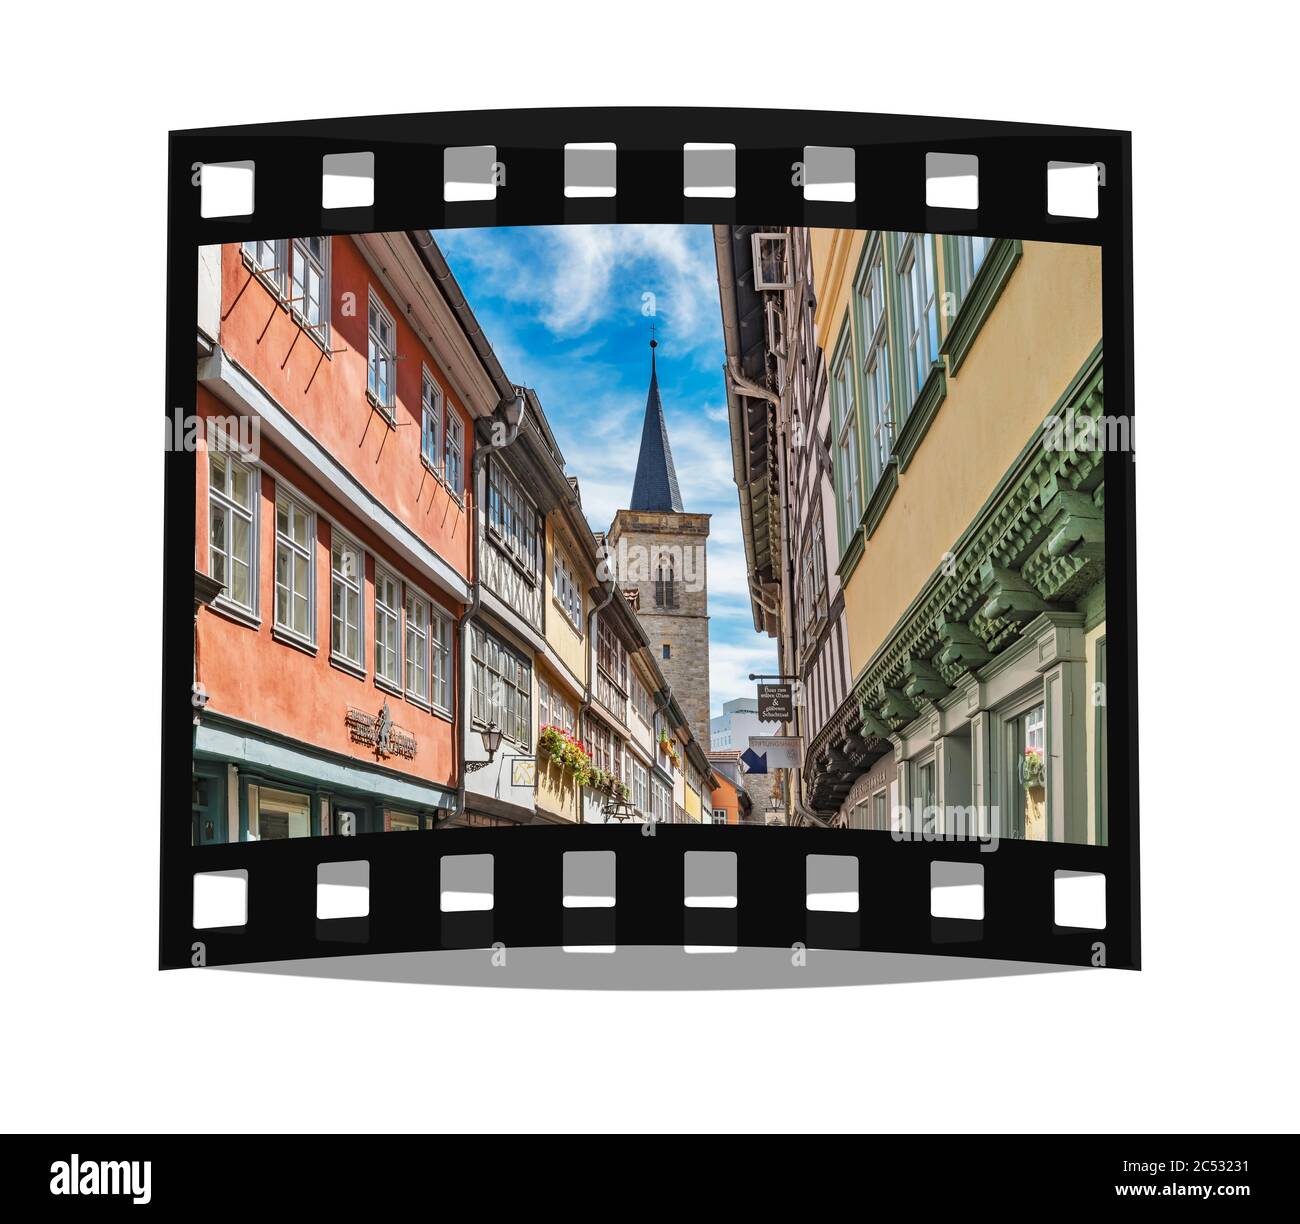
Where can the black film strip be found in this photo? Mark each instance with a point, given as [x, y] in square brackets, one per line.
[771, 899]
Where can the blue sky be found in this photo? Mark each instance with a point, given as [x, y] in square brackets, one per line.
[564, 307]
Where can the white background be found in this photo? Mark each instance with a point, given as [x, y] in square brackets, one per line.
[94, 1037]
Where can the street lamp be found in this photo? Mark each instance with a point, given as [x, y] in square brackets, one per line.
[491, 742]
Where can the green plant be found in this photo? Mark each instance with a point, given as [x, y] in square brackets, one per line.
[1033, 771]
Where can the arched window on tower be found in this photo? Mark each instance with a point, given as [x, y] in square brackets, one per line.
[665, 584]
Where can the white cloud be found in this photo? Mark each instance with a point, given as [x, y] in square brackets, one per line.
[730, 664]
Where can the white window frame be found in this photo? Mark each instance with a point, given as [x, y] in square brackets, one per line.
[567, 594]
[232, 509]
[453, 438]
[300, 256]
[295, 506]
[441, 663]
[431, 421]
[276, 274]
[514, 524]
[395, 612]
[386, 353]
[341, 540]
[417, 637]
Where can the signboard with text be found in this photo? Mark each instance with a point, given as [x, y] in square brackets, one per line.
[775, 702]
[781, 751]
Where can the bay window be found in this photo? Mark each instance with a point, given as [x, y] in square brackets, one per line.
[501, 687]
[512, 518]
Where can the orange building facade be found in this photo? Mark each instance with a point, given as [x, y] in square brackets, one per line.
[332, 549]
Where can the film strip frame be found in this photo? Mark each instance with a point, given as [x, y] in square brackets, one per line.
[771, 903]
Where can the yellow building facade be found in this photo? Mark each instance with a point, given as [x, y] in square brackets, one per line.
[966, 390]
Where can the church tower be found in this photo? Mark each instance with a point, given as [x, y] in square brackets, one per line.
[659, 550]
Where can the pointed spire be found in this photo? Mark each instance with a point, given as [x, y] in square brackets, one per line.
[655, 486]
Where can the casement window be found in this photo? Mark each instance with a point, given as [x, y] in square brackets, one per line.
[295, 546]
[554, 710]
[665, 584]
[1027, 773]
[431, 421]
[454, 459]
[501, 687]
[309, 263]
[297, 272]
[347, 578]
[919, 321]
[381, 369]
[598, 744]
[428, 652]
[512, 518]
[771, 262]
[268, 259]
[641, 701]
[663, 803]
[417, 646]
[277, 814]
[640, 787]
[611, 654]
[232, 529]
[875, 364]
[847, 454]
[719, 815]
[567, 594]
[440, 633]
[970, 255]
[388, 612]
[605, 748]
[925, 799]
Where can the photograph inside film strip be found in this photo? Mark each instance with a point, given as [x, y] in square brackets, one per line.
[614, 524]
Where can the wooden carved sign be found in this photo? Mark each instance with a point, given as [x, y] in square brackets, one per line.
[379, 732]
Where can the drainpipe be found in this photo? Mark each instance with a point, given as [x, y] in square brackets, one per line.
[481, 452]
[592, 656]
